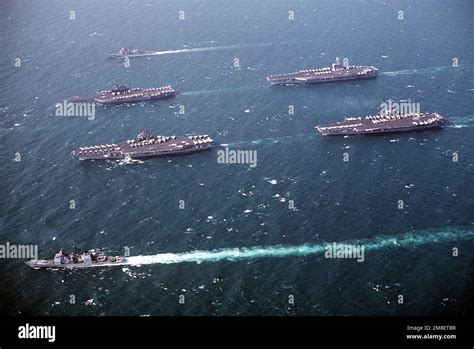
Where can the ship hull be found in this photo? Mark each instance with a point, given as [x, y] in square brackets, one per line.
[293, 81]
[384, 132]
[134, 100]
[379, 125]
[117, 102]
[49, 264]
[142, 155]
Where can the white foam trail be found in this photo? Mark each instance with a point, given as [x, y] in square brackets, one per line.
[430, 70]
[196, 49]
[232, 254]
[461, 121]
[127, 161]
[459, 126]
[211, 48]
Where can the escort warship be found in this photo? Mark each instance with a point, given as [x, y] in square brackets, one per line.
[381, 124]
[337, 72]
[77, 259]
[123, 94]
[146, 146]
[131, 52]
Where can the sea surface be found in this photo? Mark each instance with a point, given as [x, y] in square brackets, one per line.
[249, 239]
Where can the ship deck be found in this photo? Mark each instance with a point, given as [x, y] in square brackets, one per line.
[324, 74]
[375, 124]
[133, 95]
[155, 146]
[162, 144]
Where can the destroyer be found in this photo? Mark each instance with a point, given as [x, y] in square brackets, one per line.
[123, 94]
[131, 52]
[337, 72]
[380, 124]
[146, 146]
[77, 259]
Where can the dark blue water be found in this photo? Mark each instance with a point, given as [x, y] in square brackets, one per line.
[235, 206]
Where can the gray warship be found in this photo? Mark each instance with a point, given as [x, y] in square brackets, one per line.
[146, 146]
[382, 124]
[131, 52]
[77, 259]
[123, 94]
[337, 72]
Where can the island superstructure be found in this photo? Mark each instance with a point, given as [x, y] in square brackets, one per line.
[381, 124]
[146, 146]
[337, 72]
[123, 94]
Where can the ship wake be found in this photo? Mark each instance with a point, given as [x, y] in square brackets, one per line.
[213, 48]
[431, 70]
[408, 240]
[127, 161]
[461, 121]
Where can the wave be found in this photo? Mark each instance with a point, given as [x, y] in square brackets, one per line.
[412, 239]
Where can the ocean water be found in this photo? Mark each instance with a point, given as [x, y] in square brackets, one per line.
[237, 248]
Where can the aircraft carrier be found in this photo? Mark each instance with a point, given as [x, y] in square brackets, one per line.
[382, 124]
[123, 94]
[146, 146]
[337, 72]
